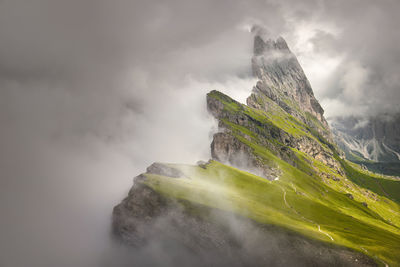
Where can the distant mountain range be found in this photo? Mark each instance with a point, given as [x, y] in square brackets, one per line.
[373, 142]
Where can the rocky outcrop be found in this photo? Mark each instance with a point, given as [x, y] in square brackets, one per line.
[142, 206]
[227, 149]
[315, 150]
[162, 169]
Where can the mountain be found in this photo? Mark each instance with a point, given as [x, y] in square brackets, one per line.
[277, 191]
[373, 142]
[282, 79]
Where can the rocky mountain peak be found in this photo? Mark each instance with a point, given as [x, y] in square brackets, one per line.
[282, 79]
[284, 95]
[261, 46]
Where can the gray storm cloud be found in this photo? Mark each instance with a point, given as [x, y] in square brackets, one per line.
[354, 45]
[92, 92]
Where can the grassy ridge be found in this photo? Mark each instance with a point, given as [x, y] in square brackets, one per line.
[296, 202]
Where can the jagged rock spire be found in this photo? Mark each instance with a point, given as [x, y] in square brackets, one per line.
[261, 46]
[282, 79]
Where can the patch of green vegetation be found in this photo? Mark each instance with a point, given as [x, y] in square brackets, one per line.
[230, 105]
[387, 187]
[281, 118]
[303, 162]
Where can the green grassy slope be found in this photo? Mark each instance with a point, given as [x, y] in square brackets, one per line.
[377, 183]
[297, 202]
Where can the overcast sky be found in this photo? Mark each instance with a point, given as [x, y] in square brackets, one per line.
[93, 91]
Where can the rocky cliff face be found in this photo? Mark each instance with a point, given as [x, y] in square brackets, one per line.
[283, 94]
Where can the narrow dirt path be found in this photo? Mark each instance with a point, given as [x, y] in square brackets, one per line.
[319, 227]
[284, 199]
[295, 211]
[328, 235]
[383, 190]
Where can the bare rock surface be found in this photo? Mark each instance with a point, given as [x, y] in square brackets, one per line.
[281, 77]
[164, 170]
